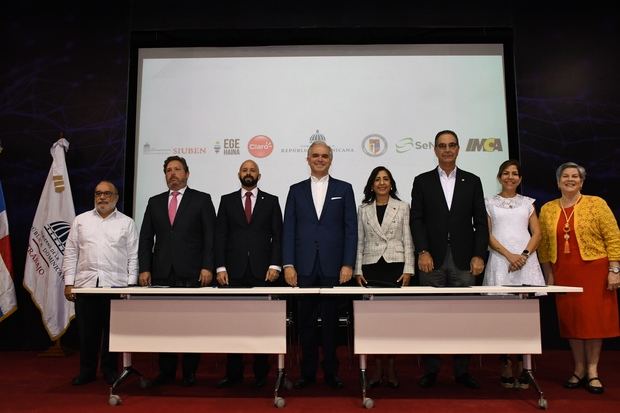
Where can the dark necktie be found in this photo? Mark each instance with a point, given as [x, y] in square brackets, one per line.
[248, 207]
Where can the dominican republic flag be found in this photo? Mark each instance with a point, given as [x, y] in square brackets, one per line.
[43, 276]
[8, 303]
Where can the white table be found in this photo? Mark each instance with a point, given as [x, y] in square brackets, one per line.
[429, 320]
[198, 320]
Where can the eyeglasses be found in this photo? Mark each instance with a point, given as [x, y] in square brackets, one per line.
[105, 194]
[444, 146]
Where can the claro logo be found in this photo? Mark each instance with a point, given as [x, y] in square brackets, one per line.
[260, 146]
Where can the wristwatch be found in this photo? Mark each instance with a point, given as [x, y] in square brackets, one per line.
[525, 253]
[615, 270]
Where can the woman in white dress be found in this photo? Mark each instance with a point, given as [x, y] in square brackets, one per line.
[514, 235]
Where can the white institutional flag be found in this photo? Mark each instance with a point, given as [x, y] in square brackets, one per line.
[43, 272]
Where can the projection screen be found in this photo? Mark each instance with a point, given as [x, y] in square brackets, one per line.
[374, 104]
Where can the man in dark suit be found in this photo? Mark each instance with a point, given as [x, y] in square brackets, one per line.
[176, 249]
[248, 252]
[450, 234]
[319, 245]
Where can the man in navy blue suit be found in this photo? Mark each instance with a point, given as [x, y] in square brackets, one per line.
[319, 245]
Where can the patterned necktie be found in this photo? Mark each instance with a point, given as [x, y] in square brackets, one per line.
[172, 207]
[248, 207]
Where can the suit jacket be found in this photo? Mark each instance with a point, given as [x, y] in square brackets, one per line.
[257, 243]
[390, 240]
[333, 237]
[184, 247]
[465, 223]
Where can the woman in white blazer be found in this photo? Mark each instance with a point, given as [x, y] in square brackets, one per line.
[384, 248]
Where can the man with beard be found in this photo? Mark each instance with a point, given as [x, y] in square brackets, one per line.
[176, 249]
[101, 251]
[248, 252]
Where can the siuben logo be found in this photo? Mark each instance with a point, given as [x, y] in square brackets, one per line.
[260, 146]
[484, 145]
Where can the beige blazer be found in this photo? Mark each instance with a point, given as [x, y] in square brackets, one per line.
[390, 240]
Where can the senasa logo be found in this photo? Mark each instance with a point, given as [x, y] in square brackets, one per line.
[260, 146]
[484, 145]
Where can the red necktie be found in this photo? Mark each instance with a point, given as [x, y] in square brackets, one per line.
[248, 207]
[172, 207]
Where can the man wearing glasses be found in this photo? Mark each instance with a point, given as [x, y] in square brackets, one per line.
[101, 251]
[450, 234]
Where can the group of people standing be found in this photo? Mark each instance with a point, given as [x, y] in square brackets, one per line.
[322, 242]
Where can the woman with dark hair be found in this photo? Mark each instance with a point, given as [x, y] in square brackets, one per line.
[514, 236]
[581, 247]
[384, 248]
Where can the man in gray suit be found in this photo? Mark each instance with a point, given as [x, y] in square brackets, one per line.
[450, 234]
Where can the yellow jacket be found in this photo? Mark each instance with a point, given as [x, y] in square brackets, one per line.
[595, 226]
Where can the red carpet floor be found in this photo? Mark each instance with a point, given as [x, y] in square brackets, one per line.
[29, 383]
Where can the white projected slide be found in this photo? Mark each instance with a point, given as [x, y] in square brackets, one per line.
[374, 104]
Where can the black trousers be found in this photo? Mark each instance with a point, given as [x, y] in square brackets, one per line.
[448, 275]
[93, 320]
[168, 361]
[309, 309]
[234, 362]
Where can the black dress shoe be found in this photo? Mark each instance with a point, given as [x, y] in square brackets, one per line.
[467, 380]
[393, 384]
[569, 384]
[334, 382]
[595, 389]
[260, 382]
[373, 383]
[303, 382]
[227, 382]
[160, 380]
[428, 380]
[188, 380]
[80, 380]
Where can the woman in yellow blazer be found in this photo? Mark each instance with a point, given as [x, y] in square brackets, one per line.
[581, 247]
[384, 248]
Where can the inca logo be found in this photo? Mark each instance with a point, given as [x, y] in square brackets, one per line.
[484, 145]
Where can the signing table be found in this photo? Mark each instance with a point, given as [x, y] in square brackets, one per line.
[408, 320]
[198, 320]
[428, 320]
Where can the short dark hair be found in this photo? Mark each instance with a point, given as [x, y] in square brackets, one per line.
[448, 132]
[369, 194]
[105, 181]
[176, 158]
[508, 163]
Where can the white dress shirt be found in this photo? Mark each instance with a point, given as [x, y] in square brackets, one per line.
[101, 251]
[319, 190]
[447, 184]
